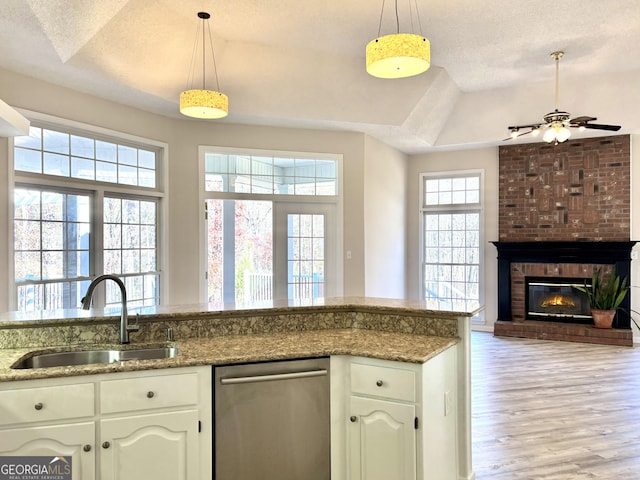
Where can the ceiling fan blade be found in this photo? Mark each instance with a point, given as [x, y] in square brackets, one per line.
[519, 135]
[597, 126]
[581, 120]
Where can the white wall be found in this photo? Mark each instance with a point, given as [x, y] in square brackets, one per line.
[183, 137]
[485, 159]
[385, 220]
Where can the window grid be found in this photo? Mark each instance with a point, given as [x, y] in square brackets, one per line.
[305, 256]
[451, 241]
[130, 249]
[55, 257]
[51, 248]
[51, 152]
[269, 175]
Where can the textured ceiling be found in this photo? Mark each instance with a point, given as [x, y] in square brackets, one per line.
[301, 63]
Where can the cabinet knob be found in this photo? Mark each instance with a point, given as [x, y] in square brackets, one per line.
[38, 406]
[106, 444]
[353, 418]
[379, 383]
[87, 448]
[150, 394]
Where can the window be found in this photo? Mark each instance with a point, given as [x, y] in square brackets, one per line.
[85, 204]
[52, 152]
[271, 225]
[451, 232]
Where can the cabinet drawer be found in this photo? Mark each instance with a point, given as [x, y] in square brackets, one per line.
[383, 382]
[46, 403]
[148, 393]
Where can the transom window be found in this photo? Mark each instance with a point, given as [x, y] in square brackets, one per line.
[451, 253]
[59, 153]
[269, 175]
[69, 230]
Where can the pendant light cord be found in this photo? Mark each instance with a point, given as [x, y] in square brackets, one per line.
[398, 17]
[380, 22]
[194, 54]
[213, 56]
[203, 59]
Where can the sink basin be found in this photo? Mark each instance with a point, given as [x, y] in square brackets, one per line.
[86, 357]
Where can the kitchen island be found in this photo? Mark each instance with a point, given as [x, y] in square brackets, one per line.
[389, 330]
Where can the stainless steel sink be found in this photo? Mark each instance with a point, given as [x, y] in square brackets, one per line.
[86, 357]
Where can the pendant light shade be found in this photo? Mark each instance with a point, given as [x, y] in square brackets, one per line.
[398, 55]
[203, 103]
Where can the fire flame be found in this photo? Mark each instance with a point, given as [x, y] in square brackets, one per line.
[558, 301]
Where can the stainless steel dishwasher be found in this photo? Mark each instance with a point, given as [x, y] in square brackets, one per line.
[272, 421]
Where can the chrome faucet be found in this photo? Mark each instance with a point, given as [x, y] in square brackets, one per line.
[125, 327]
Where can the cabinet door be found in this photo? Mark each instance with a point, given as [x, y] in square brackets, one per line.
[66, 442]
[382, 440]
[160, 447]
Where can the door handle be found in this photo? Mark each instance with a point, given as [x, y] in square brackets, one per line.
[272, 377]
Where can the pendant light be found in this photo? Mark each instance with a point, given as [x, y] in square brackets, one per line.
[398, 55]
[203, 103]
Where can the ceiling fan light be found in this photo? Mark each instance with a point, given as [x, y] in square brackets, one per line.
[399, 55]
[563, 134]
[549, 135]
[514, 133]
[535, 131]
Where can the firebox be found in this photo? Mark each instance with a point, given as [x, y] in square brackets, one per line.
[557, 299]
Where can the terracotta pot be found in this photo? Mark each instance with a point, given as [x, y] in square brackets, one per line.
[603, 318]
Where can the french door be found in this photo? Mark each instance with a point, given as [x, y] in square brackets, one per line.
[260, 251]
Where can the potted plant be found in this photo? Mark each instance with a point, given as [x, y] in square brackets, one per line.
[605, 297]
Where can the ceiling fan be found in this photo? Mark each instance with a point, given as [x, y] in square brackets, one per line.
[557, 123]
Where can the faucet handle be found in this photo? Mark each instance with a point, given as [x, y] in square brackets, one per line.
[134, 327]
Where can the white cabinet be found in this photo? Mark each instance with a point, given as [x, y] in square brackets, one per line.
[74, 442]
[153, 424]
[149, 427]
[382, 434]
[160, 447]
[382, 442]
[26, 412]
[401, 419]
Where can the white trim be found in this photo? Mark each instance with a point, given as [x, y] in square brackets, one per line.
[422, 209]
[97, 190]
[204, 195]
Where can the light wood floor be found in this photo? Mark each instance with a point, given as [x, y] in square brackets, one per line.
[554, 410]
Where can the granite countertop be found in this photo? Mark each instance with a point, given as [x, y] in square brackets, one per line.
[208, 310]
[235, 349]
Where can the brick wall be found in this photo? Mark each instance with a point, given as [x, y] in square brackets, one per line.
[576, 190]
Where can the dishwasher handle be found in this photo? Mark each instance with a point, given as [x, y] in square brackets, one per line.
[272, 377]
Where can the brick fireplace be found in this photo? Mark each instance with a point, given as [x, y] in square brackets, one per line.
[564, 212]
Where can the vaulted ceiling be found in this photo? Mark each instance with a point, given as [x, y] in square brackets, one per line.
[300, 63]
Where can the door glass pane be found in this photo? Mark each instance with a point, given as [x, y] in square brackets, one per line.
[240, 251]
[305, 256]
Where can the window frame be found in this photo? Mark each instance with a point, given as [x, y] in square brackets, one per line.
[277, 199]
[454, 208]
[97, 191]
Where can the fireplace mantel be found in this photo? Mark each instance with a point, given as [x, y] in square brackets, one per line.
[616, 253]
[566, 252]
